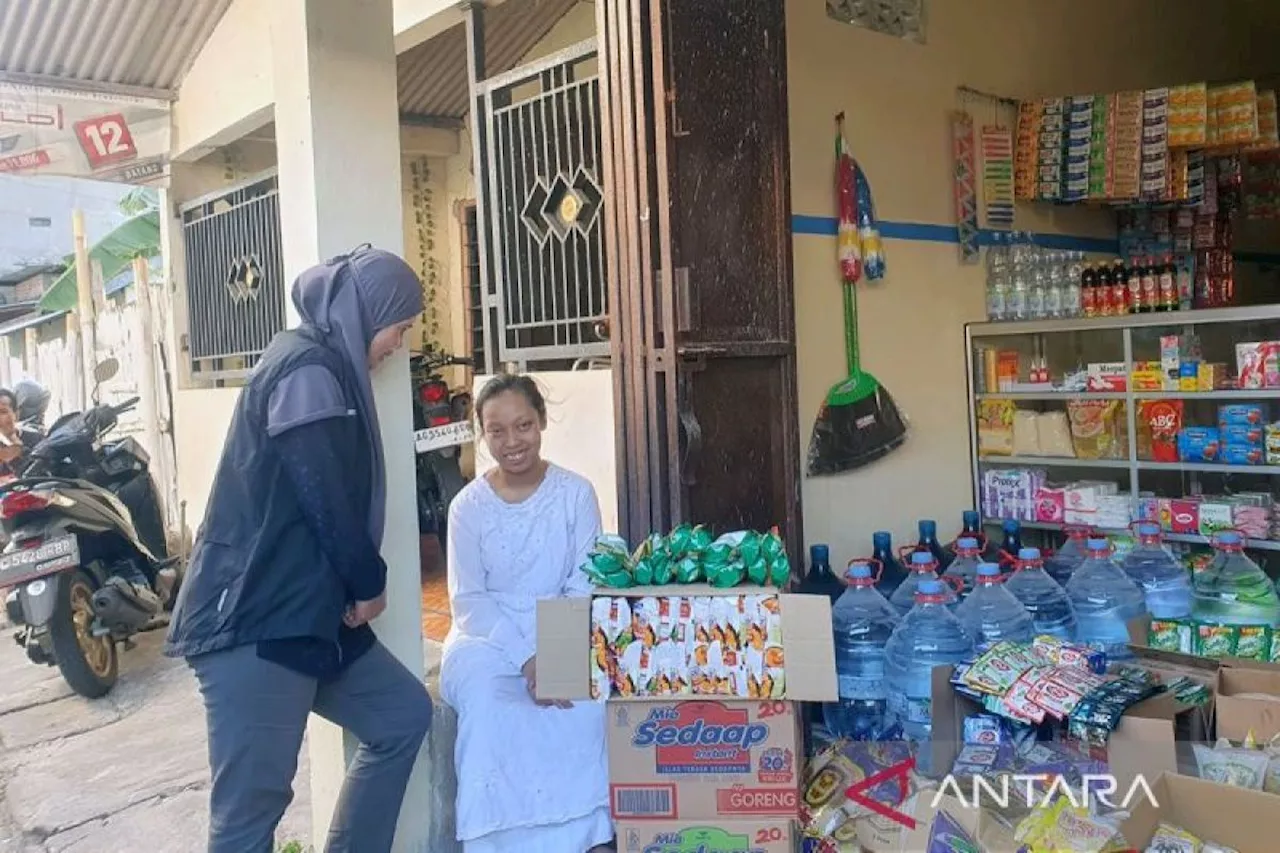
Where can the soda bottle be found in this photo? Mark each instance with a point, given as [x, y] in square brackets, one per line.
[892, 574]
[862, 622]
[1150, 285]
[1168, 286]
[1119, 287]
[820, 579]
[1105, 288]
[1133, 274]
[1089, 291]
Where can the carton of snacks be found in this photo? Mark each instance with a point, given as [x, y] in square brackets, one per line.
[670, 836]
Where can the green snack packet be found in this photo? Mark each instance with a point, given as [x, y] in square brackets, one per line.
[663, 572]
[1169, 635]
[700, 539]
[643, 573]
[757, 571]
[780, 570]
[688, 570]
[773, 545]
[725, 575]
[678, 541]
[1253, 642]
[620, 579]
[1274, 657]
[718, 554]
[750, 549]
[1216, 641]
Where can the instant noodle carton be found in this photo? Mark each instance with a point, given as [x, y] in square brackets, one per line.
[703, 836]
[703, 758]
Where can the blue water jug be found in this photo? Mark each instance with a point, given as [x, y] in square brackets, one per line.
[992, 614]
[820, 579]
[1105, 599]
[862, 622]
[929, 636]
[892, 574]
[1165, 582]
[964, 568]
[1012, 543]
[970, 526]
[1045, 600]
[1062, 563]
[929, 542]
[923, 568]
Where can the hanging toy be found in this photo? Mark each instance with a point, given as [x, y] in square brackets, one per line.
[848, 241]
[873, 263]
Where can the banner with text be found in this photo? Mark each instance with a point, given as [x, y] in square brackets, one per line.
[106, 137]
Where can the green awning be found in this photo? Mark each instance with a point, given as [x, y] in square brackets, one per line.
[138, 237]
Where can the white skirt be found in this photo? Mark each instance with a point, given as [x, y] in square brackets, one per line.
[576, 836]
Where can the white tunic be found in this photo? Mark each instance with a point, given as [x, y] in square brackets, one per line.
[529, 778]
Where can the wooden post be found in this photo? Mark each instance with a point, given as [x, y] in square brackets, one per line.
[84, 309]
[146, 347]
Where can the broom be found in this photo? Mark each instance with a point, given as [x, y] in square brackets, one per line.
[859, 422]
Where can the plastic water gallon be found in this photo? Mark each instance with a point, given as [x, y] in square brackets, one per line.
[922, 568]
[1165, 581]
[862, 622]
[1045, 600]
[991, 614]
[1061, 563]
[1234, 590]
[964, 568]
[929, 636]
[1105, 600]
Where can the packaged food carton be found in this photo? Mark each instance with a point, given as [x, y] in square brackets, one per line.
[1248, 700]
[659, 642]
[711, 836]
[703, 759]
[1239, 818]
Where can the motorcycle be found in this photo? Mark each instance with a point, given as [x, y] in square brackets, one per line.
[87, 564]
[442, 425]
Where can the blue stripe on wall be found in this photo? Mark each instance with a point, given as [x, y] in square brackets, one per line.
[921, 232]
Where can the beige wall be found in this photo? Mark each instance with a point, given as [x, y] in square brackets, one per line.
[896, 96]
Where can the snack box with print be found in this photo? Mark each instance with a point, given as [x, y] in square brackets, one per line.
[719, 836]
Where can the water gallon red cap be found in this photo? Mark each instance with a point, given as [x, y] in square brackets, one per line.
[1098, 544]
[921, 558]
[968, 543]
[1029, 554]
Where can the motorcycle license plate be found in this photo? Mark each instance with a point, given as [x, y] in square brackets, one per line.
[51, 556]
[446, 435]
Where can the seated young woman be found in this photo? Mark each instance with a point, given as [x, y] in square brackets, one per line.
[531, 774]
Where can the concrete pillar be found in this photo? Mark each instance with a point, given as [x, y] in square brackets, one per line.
[338, 145]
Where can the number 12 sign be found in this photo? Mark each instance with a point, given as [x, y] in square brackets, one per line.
[105, 140]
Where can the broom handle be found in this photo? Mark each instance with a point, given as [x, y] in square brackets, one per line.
[851, 328]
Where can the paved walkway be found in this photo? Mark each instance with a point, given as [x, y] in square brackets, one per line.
[119, 774]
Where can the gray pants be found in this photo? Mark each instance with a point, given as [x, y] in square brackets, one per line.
[257, 715]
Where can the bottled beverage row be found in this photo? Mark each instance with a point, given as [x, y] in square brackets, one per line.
[1030, 282]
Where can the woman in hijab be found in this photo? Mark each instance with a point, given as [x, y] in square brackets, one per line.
[285, 574]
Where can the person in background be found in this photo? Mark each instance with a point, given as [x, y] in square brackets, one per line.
[285, 576]
[531, 774]
[11, 448]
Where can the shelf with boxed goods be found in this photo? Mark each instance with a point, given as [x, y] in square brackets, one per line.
[1080, 421]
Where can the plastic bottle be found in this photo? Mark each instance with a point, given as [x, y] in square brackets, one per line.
[862, 622]
[991, 614]
[964, 568]
[1046, 601]
[997, 280]
[1012, 542]
[928, 541]
[970, 525]
[1061, 563]
[892, 573]
[1105, 600]
[930, 635]
[1071, 304]
[1019, 286]
[820, 579]
[1164, 581]
[923, 568]
[1038, 289]
[1233, 590]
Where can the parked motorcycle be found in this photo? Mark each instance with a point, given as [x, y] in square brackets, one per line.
[87, 564]
[442, 425]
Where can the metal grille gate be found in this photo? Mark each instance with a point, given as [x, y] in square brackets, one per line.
[235, 277]
[542, 163]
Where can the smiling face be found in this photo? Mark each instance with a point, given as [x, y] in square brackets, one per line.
[386, 342]
[513, 432]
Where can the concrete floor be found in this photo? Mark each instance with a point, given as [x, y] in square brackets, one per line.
[120, 774]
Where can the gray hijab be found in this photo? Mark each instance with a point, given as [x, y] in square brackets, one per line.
[348, 300]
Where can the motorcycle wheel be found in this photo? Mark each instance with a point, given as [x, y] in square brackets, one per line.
[89, 664]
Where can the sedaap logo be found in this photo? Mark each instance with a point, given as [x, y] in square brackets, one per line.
[700, 737]
[701, 839]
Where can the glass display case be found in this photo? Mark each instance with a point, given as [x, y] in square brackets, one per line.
[1171, 417]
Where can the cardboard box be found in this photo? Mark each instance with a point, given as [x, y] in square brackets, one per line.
[564, 642]
[703, 758]
[1248, 699]
[1236, 817]
[719, 836]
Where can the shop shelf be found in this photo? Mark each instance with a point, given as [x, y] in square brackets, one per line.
[1186, 538]
[1053, 461]
[1251, 314]
[1056, 395]
[1261, 394]
[1211, 468]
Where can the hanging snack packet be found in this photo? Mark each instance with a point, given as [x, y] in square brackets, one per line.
[609, 563]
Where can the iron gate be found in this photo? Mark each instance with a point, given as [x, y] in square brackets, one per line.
[542, 164]
[235, 277]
